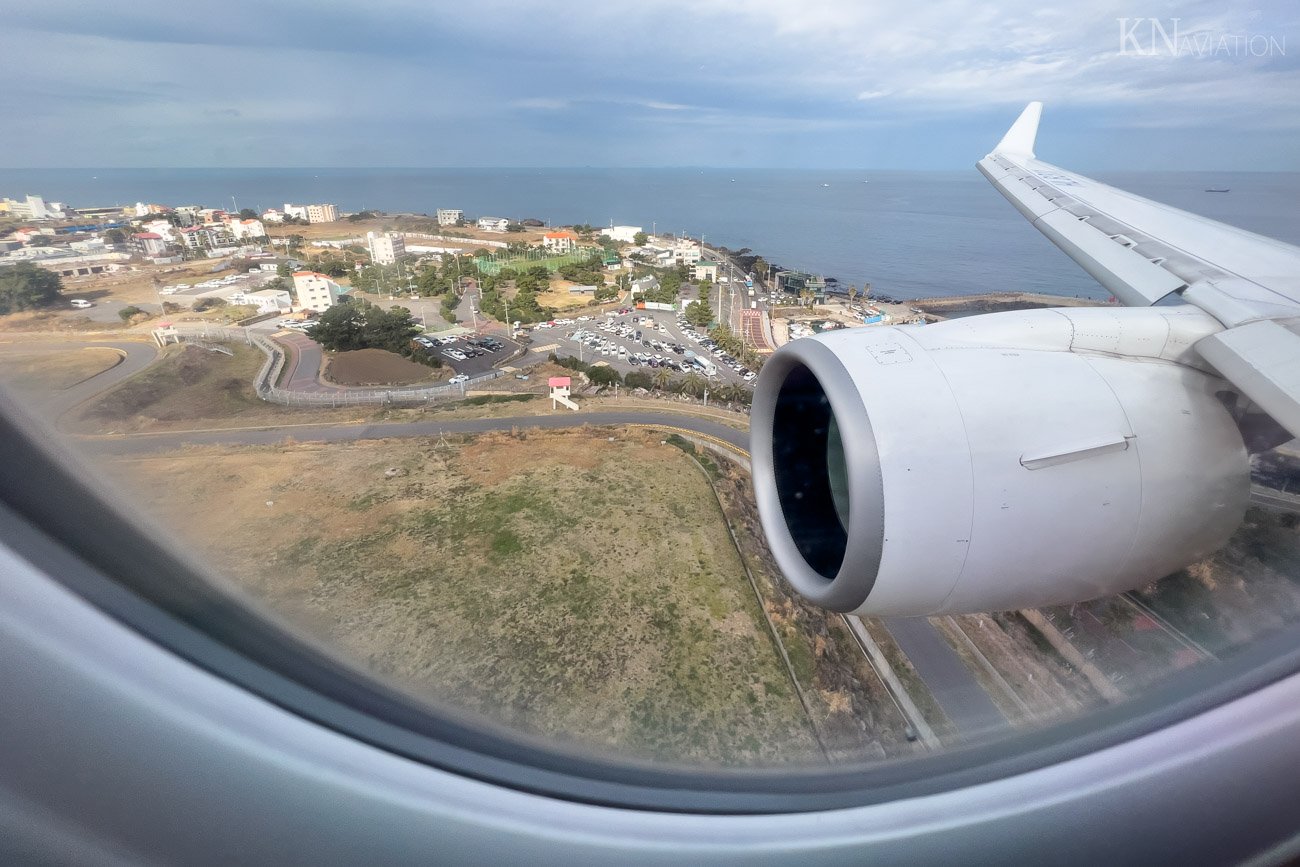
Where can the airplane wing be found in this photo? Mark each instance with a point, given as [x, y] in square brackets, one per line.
[1145, 252]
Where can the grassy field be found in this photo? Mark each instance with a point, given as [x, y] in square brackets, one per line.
[569, 584]
[45, 370]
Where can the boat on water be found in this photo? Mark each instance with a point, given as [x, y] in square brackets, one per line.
[825, 185]
[1216, 189]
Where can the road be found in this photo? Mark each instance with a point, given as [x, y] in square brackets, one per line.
[147, 443]
[136, 356]
[947, 677]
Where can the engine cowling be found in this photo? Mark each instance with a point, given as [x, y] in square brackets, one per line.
[1003, 461]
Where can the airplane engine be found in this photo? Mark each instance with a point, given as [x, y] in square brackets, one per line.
[1003, 461]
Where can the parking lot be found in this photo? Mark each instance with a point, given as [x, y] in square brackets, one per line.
[480, 353]
[645, 340]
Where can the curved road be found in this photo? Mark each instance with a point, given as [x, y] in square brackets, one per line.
[136, 356]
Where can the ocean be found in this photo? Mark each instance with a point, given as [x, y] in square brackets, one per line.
[909, 234]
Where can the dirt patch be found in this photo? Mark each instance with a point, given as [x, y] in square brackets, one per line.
[378, 367]
[599, 601]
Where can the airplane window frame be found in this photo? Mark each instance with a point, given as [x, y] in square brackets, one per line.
[56, 513]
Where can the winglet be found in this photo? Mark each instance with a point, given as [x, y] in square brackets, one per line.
[1019, 140]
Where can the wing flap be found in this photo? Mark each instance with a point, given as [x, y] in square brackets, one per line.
[1262, 359]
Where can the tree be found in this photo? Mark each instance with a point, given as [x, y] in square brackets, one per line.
[248, 214]
[604, 375]
[115, 236]
[128, 311]
[699, 314]
[661, 378]
[283, 270]
[853, 292]
[761, 268]
[27, 287]
[638, 379]
[353, 325]
[693, 384]
[640, 239]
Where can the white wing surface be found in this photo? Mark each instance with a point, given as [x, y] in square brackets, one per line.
[1143, 251]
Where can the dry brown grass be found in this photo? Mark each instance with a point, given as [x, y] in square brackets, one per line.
[562, 584]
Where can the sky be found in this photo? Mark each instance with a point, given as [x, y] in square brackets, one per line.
[730, 83]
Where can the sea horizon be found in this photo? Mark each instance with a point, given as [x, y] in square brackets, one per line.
[910, 233]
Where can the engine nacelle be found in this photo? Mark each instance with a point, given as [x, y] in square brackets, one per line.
[1005, 461]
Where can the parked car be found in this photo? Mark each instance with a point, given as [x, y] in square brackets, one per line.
[81, 303]
[458, 379]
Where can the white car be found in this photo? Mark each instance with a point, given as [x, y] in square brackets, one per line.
[81, 303]
[454, 353]
[458, 379]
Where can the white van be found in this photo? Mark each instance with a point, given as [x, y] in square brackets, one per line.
[81, 303]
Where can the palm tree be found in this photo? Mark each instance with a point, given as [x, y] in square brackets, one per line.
[662, 378]
[693, 384]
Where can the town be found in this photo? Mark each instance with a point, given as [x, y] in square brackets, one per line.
[611, 297]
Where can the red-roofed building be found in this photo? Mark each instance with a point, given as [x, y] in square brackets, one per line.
[560, 242]
[149, 244]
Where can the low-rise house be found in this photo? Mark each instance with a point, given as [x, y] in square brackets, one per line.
[645, 284]
[265, 300]
[560, 241]
[493, 224]
[704, 270]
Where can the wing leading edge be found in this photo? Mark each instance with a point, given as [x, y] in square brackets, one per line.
[1142, 251]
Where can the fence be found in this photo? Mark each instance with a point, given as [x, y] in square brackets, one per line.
[264, 382]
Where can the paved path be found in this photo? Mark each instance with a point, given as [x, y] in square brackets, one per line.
[947, 677]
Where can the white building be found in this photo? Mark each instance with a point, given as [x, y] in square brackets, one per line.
[450, 216]
[241, 229]
[265, 300]
[624, 234]
[560, 242]
[298, 212]
[149, 244]
[686, 251]
[704, 270]
[385, 248]
[33, 208]
[315, 291]
[196, 237]
[322, 213]
[271, 215]
[161, 227]
[493, 224]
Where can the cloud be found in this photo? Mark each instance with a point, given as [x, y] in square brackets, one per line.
[661, 82]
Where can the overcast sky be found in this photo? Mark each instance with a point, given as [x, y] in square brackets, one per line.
[805, 83]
